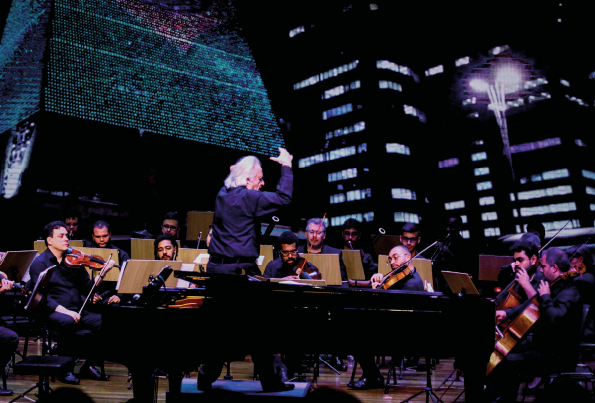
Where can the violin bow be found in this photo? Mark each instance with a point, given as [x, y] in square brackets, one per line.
[102, 275]
[310, 248]
[554, 237]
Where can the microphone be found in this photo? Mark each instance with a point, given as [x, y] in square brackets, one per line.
[199, 236]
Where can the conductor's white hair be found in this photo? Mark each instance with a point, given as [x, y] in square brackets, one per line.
[243, 170]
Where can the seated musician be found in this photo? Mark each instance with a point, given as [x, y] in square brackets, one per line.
[410, 237]
[315, 235]
[166, 247]
[553, 344]
[525, 256]
[72, 220]
[284, 265]
[102, 238]
[9, 340]
[585, 283]
[507, 272]
[172, 225]
[66, 292]
[352, 232]
[398, 256]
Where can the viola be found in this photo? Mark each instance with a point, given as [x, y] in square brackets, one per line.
[516, 329]
[305, 270]
[76, 258]
[395, 277]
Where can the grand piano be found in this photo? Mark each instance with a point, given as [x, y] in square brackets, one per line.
[237, 316]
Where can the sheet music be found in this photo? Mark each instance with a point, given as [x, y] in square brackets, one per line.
[122, 268]
[181, 282]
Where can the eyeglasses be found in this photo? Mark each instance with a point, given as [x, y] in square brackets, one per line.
[316, 233]
[394, 258]
[404, 239]
[169, 227]
[351, 233]
[288, 252]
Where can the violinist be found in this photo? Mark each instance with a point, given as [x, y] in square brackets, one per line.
[352, 232]
[102, 238]
[233, 247]
[399, 256]
[284, 265]
[9, 340]
[66, 292]
[553, 344]
[166, 247]
[315, 236]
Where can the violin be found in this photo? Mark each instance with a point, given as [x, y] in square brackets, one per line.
[76, 258]
[396, 276]
[305, 270]
[19, 286]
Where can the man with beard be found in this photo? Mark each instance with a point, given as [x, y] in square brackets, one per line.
[284, 265]
[352, 233]
[166, 247]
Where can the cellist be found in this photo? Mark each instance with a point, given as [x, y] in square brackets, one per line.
[553, 344]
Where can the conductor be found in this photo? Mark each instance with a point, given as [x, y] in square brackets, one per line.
[239, 203]
[234, 247]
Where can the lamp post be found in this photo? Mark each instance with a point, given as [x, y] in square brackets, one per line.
[505, 76]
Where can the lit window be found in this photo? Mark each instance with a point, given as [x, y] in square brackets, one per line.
[479, 156]
[536, 178]
[454, 205]
[539, 193]
[539, 97]
[462, 61]
[512, 198]
[481, 171]
[383, 84]
[342, 175]
[556, 225]
[326, 75]
[451, 162]
[308, 161]
[410, 110]
[296, 31]
[548, 209]
[358, 194]
[564, 82]
[337, 221]
[588, 174]
[484, 185]
[592, 206]
[385, 64]
[435, 70]
[464, 219]
[590, 190]
[469, 101]
[556, 174]
[465, 234]
[489, 216]
[523, 181]
[580, 143]
[406, 217]
[473, 115]
[515, 213]
[397, 148]
[518, 229]
[338, 111]
[338, 198]
[491, 231]
[520, 148]
[369, 216]
[487, 200]
[340, 153]
[341, 89]
[358, 127]
[406, 194]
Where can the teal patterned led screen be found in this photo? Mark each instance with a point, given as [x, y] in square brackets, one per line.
[130, 64]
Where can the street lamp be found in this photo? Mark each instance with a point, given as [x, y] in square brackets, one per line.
[500, 77]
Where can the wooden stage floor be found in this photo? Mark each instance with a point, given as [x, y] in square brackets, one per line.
[116, 389]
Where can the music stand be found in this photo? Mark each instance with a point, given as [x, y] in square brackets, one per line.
[460, 283]
[428, 389]
[15, 264]
[328, 265]
[353, 264]
[135, 273]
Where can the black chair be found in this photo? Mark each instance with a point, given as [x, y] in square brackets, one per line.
[45, 367]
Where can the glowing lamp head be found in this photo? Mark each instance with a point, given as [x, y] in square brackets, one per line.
[479, 85]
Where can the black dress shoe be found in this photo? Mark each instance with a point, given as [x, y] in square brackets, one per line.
[337, 363]
[372, 383]
[90, 372]
[5, 392]
[69, 379]
[283, 387]
[283, 375]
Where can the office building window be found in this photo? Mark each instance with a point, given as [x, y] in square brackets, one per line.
[588, 174]
[384, 84]
[341, 89]
[342, 175]
[486, 200]
[469, 101]
[539, 193]
[556, 225]
[359, 194]
[555, 174]
[308, 161]
[358, 127]
[465, 234]
[480, 156]
[590, 190]
[489, 232]
[325, 75]
[535, 83]
[338, 111]
[369, 216]
[577, 100]
[406, 217]
[464, 219]
[296, 31]
[483, 185]
[462, 61]
[489, 216]
[341, 153]
[548, 209]
[406, 194]
[385, 64]
[481, 171]
[515, 213]
[435, 70]
[564, 83]
[518, 229]
[397, 148]
[338, 198]
[540, 97]
[592, 206]
[454, 205]
[580, 143]
[410, 110]
[512, 198]
[535, 145]
[451, 162]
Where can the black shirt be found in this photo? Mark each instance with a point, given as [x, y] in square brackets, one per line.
[236, 213]
[275, 269]
[412, 282]
[122, 255]
[328, 250]
[68, 286]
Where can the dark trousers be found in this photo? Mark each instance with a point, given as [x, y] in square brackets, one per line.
[9, 342]
[69, 345]
[369, 368]
[234, 268]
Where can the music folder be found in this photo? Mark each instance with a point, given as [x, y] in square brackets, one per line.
[134, 275]
[16, 263]
[460, 283]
